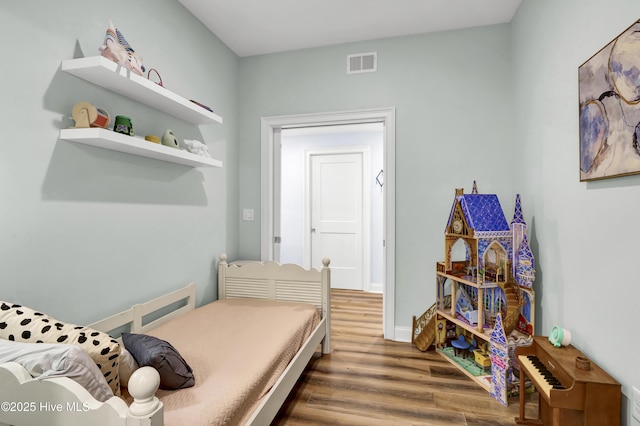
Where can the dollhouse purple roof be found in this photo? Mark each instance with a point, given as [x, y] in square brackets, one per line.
[483, 212]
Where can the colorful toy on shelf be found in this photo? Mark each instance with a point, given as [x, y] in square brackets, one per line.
[559, 336]
[159, 82]
[117, 49]
[87, 115]
[123, 125]
[201, 105]
[196, 147]
[169, 139]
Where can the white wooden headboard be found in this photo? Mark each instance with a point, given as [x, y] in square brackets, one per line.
[273, 281]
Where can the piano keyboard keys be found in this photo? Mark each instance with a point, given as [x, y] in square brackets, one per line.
[538, 373]
[544, 372]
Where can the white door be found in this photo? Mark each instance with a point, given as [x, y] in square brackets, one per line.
[337, 200]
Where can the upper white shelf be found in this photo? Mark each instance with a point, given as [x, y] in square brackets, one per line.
[103, 72]
[107, 139]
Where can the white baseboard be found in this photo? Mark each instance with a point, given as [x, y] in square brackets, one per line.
[375, 287]
[402, 334]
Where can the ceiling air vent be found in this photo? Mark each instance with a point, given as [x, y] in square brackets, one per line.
[362, 62]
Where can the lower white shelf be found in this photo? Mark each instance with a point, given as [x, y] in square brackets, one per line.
[103, 138]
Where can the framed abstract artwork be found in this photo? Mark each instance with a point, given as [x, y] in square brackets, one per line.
[609, 95]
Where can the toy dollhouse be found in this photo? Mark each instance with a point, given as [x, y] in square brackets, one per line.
[485, 301]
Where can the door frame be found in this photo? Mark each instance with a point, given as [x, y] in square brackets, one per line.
[387, 116]
[366, 205]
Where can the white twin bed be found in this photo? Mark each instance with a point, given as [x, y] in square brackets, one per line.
[246, 351]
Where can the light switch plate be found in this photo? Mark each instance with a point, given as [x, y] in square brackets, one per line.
[247, 214]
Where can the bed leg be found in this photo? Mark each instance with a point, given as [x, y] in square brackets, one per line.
[326, 349]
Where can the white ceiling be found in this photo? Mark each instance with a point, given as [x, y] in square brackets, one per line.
[255, 27]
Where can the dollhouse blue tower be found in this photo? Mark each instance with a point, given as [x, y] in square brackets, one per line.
[523, 261]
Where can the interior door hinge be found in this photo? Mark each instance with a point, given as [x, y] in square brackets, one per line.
[276, 240]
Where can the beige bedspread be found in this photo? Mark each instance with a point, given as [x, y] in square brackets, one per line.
[237, 349]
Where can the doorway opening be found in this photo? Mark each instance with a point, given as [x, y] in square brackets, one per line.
[273, 244]
[331, 202]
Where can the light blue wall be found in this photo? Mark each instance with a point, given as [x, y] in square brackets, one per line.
[452, 93]
[584, 234]
[86, 231]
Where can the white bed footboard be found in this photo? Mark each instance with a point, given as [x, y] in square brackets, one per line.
[25, 401]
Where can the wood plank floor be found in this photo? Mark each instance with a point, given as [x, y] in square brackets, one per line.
[367, 380]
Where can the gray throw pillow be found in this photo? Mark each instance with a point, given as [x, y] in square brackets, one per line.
[174, 371]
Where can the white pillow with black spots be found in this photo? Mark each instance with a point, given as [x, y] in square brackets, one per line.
[22, 324]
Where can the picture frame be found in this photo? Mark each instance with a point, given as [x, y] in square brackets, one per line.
[609, 109]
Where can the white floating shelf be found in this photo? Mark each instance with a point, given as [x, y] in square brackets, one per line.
[106, 73]
[107, 139]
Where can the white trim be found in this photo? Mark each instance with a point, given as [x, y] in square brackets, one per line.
[375, 288]
[403, 334]
[277, 157]
[384, 115]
